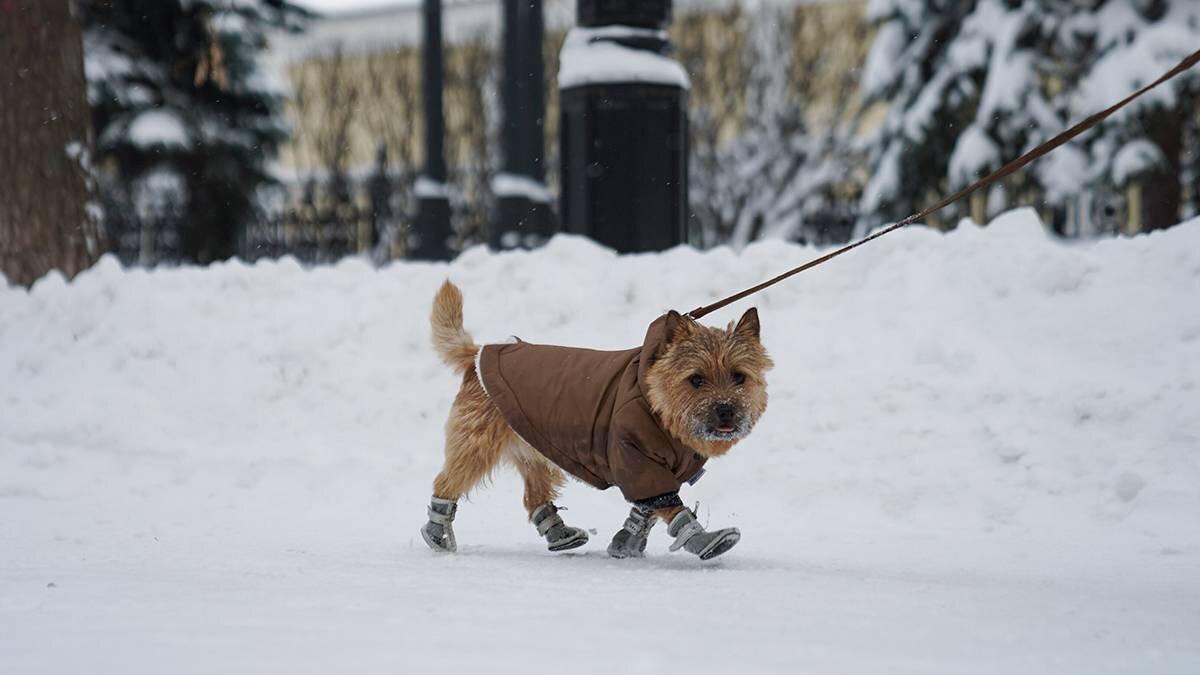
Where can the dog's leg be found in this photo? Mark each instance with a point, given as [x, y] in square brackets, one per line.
[476, 435]
[630, 540]
[543, 481]
[559, 536]
[668, 513]
[690, 534]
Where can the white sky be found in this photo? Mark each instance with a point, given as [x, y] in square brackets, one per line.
[334, 6]
[348, 5]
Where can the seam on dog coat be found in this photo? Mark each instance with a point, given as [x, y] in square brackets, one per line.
[585, 410]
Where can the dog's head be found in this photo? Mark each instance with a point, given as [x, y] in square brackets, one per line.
[708, 385]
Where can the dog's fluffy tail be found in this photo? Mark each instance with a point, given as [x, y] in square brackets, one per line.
[450, 340]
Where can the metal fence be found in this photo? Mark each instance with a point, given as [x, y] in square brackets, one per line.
[315, 220]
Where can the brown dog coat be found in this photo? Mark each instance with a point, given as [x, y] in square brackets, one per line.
[586, 411]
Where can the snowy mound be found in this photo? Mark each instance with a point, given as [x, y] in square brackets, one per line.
[978, 444]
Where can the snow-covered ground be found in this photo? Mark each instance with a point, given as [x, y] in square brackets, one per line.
[982, 455]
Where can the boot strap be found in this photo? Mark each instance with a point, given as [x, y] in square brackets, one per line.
[548, 521]
[439, 517]
[635, 525]
[686, 532]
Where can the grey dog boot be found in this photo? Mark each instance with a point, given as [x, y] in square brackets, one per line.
[630, 540]
[559, 536]
[691, 535]
[439, 531]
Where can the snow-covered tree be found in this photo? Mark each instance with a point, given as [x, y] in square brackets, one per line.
[472, 81]
[765, 173]
[962, 83]
[972, 84]
[1109, 48]
[180, 98]
[744, 179]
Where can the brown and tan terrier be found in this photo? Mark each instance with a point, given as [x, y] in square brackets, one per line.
[644, 419]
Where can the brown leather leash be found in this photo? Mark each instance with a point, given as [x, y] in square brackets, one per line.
[1002, 172]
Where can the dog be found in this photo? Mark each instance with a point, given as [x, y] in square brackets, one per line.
[644, 419]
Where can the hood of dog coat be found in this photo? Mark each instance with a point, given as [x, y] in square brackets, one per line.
[586, 412]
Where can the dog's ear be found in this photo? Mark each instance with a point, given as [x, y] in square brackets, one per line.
[748, 324]
[678, 326]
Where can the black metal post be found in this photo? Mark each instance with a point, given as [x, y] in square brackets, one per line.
[523, 217]
[623, 130]
[431, 239]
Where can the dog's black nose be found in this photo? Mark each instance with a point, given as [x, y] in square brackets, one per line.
[724, 412]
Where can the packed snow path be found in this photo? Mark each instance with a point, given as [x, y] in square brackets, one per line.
[980, 456]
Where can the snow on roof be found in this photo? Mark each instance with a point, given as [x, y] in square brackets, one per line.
[590, 57]
[514, 185]
[346, 6]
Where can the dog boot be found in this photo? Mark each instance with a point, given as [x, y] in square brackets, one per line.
[692, 536]
[559, 536]
[630, 540]
[439, 531]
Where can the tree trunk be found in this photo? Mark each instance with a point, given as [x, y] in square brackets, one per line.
[45, 143]
[1163, 193]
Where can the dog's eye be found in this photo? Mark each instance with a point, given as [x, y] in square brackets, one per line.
[739, 379]
[697, 381]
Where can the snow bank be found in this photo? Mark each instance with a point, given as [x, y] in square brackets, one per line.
[980, 456]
